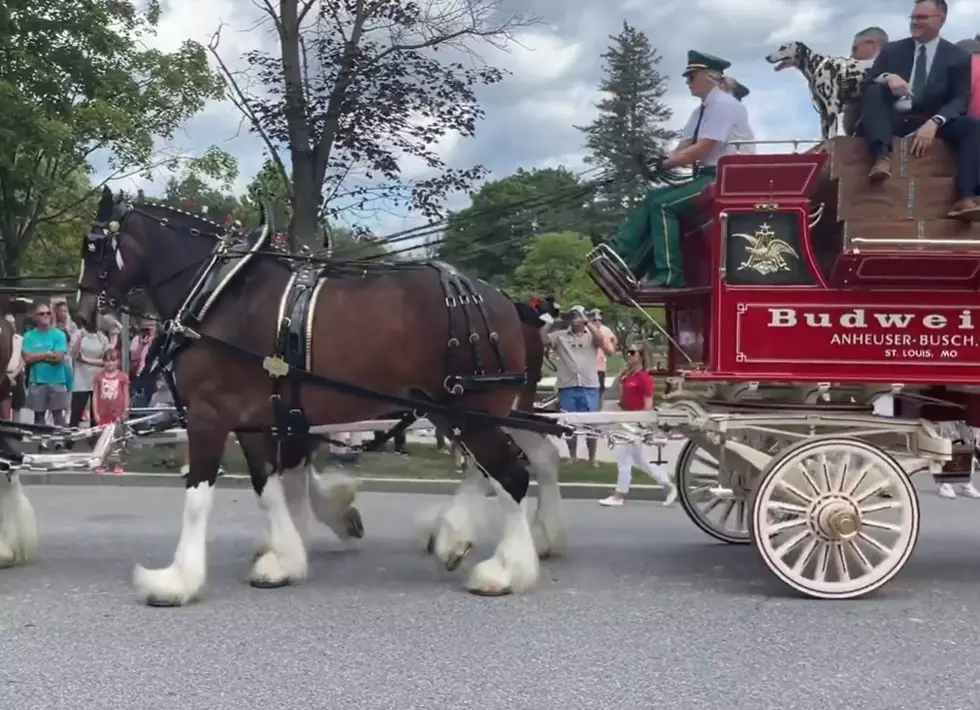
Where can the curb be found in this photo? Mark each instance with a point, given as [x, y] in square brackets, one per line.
[365, 484]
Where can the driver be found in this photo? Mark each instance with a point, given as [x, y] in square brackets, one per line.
[649, 241]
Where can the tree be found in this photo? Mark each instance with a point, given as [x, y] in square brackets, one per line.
[76, 83]
[358, 85]
[631, 123]
[490, 236]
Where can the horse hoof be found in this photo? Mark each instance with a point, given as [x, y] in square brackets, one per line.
[456, 557]
[269, 583]
[163, 602]
[492, 592]
[353, 523]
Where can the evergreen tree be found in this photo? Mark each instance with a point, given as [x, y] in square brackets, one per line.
[631, 122]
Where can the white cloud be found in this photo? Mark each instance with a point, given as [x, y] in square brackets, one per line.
[555, 71]
[537, 56]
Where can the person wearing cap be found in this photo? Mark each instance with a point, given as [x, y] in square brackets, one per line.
[864, 47]
[577, 377]
[650, 239]
[739, 90]
[595, 317]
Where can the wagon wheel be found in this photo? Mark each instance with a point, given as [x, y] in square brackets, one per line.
[820, 525]
[719, 510]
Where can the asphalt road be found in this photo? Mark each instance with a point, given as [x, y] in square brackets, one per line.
[644, 611]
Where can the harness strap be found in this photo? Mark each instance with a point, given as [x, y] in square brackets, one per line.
[278, 368]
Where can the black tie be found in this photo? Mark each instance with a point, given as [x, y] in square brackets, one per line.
[919, 77]
[697, 126]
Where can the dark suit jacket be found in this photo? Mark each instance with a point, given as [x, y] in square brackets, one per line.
[948, 85]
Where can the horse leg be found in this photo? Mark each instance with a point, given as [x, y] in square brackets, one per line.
[514, 565]
[459, 515]
[548, 525]
[18, 527]
[184, 579]
[282, 560]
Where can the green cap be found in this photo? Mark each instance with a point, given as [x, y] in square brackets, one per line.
[699, 61]
[739, 90]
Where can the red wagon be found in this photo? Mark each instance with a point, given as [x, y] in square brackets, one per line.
[811, 292]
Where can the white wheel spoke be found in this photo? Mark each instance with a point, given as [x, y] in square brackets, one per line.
[874, 543]
[706, 461]
[740, 511]
[790, 544]
[861, 557]
[858, 479]
[824, 466]
[729, 507]
[805, 555]
[794, 491]
[784, 525]
[823, 561]
[841, 558]
[879, 525]
[780, 506]
[879, 506]
[842, 473]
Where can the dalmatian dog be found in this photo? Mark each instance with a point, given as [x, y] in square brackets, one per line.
[834, 81]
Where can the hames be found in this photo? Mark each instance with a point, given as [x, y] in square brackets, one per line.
[865, 318]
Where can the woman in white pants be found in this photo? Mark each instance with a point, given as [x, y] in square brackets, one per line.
[636, 393]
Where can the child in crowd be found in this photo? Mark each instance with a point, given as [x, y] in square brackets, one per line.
[110, 396]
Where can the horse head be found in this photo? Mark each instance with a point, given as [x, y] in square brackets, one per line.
[146, 246]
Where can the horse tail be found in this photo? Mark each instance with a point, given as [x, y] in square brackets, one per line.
[531, 325]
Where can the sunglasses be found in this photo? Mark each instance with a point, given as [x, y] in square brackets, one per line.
[632, 352]
[43, 313]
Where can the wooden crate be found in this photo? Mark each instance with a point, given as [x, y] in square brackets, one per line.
[912, 234]
[895, 199]
[850, 156]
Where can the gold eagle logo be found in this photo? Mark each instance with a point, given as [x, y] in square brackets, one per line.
[767, 253]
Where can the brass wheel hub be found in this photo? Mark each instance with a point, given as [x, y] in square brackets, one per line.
[835, 519]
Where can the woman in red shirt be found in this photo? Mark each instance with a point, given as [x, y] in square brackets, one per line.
[636, 394]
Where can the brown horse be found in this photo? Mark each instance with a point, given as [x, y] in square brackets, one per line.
[376, 339]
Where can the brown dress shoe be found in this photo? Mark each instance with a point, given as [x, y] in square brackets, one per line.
[966, 210]
[881, 170]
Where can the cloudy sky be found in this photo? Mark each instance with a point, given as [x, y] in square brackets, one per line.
[555, 71]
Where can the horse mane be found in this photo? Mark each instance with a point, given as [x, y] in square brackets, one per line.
[181, 216]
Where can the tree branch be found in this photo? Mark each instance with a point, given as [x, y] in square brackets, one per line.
[241, 102]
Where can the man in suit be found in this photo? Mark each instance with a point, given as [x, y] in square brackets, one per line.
[932, 76]
[866, 45]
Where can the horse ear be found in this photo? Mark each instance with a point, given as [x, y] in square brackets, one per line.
[106, 200]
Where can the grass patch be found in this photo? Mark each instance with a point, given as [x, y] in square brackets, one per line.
[423, 461]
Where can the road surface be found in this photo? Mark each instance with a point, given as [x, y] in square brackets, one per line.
[644, 611]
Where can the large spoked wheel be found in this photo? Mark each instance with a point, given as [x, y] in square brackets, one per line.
[723, 513]
[820, 524]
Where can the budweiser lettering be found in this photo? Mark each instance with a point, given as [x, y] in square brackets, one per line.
[861, 335]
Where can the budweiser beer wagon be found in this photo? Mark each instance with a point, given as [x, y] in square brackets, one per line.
[809, 293]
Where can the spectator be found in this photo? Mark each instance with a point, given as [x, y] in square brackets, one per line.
[595, 315]
[577, 375]
[138, 348]
[45, 348]
[88, 350]
[110, 395]
[636, 394]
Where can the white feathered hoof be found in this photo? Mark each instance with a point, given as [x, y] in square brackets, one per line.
[542, 541]
[18, 528]
[353, 524]
[269, 572]
[426, 526]
[490, 579]
[165, 587]
[452, 545]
